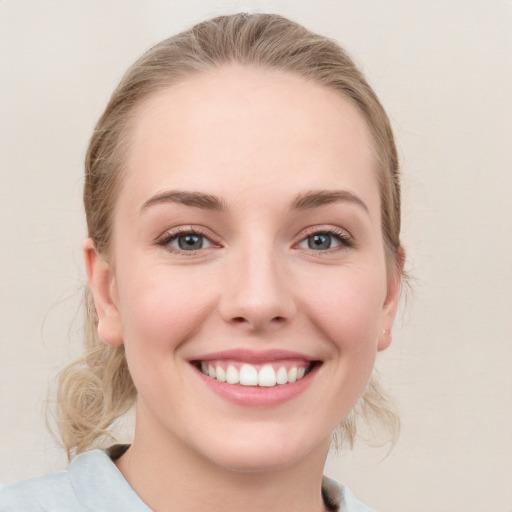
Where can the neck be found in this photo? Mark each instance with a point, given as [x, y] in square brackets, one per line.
[171, 477]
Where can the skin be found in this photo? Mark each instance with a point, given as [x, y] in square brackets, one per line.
[257, 140]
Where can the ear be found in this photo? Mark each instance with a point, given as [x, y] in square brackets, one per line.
[390, 305]
[103, 288]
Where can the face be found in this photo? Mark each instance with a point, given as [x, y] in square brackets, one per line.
[247, 276]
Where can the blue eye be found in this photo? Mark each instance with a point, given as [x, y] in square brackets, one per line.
[325, 240]
[185, 242]
[189, 242]
[319, 242]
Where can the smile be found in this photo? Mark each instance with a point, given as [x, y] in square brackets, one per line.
[251, 378]
[262, 375]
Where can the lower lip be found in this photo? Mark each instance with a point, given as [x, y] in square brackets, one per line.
[258, 396]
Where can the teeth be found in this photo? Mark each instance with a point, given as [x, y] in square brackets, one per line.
[282, 376]
[232, 376]
[221, 374]
[267, 376]
[248, 375]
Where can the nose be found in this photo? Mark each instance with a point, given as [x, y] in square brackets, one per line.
[258, 294]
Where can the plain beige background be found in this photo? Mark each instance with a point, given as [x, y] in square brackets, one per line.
[442, 69]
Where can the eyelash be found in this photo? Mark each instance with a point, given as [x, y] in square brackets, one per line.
[168, 237]
[345, 241]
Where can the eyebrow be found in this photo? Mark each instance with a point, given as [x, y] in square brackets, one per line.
[317, 198]
[197, 199]
[303, 201]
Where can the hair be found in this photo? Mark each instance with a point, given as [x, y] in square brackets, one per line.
[97, 389]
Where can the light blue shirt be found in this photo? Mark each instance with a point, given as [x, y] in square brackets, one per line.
[92, 483]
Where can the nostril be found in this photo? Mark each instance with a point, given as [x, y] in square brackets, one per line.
[243, 320]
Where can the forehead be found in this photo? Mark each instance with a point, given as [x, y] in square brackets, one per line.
[237, 123]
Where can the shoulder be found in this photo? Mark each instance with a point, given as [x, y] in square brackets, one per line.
[47, 493]
[92, 483]
[339, 498]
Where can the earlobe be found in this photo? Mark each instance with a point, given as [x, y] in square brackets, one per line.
[102, 285]
[384, 339]
[391, 303]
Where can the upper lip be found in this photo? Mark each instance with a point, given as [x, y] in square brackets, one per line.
[253, 356]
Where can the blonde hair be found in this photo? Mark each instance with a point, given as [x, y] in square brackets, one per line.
[97, 389]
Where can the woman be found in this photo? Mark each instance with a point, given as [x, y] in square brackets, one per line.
[244, 262]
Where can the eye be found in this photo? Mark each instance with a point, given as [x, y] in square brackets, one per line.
[189, 242]
[185, 241]
[325, 240]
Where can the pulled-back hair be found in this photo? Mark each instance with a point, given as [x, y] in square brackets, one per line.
[97, 389]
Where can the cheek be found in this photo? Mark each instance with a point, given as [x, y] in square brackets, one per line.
[162, 309]
[347, 311]
[346, 307]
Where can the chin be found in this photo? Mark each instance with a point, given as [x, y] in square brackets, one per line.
[265, 453]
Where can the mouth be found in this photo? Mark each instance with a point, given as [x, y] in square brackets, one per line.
[256, 379]
[265, 375]
[246, 368]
